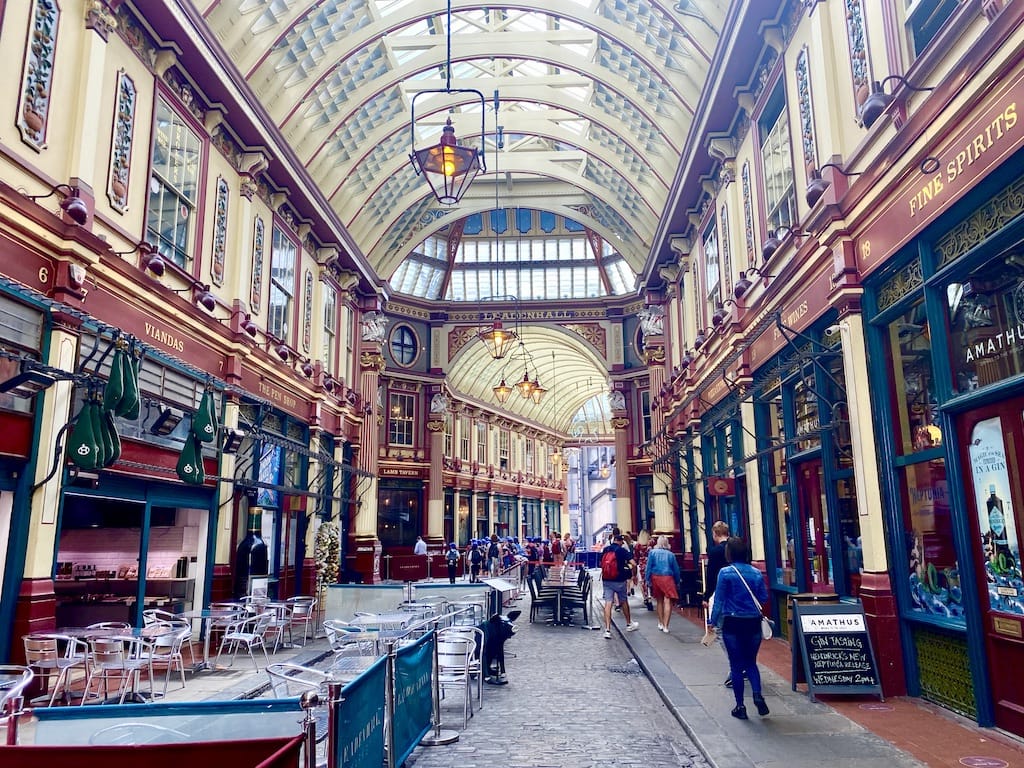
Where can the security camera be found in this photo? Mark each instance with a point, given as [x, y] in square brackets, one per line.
[832, 330]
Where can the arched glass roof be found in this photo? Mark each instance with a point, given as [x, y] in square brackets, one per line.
[593, 105]
[595, 98]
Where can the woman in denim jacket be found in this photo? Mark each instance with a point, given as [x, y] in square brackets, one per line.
[661, 575]
[737, 611]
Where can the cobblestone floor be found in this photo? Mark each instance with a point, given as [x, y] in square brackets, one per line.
[574, 700]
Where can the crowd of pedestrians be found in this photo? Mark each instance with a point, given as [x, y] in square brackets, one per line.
[734, 591]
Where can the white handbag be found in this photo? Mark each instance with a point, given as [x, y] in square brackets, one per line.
[767, 625]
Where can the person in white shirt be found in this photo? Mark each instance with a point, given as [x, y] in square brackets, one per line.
[421, 546]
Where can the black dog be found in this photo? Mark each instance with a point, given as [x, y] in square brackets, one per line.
[499, 630]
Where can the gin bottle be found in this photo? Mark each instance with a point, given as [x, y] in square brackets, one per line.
[1002, 559]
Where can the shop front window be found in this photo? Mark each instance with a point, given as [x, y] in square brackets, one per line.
[909, 350]
[399, 517]
[785, 573]
[808, 419]
[986, 323]
[849, 529]
[931, 556]
[777, 472]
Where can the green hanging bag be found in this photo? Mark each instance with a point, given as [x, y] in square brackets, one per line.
[82, 447]
[113, 392]
[204, 422]
[99, 430]
[129, 406]
[190, 463]
[115, 439]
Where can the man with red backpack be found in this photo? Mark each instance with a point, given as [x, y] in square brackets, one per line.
[616, 570]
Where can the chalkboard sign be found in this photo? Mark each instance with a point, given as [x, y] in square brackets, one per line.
[835, 648]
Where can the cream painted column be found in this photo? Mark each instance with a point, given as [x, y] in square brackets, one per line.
[435, 485]
[754, 506]
[652, 323]
[88, 112]
[623, 503]
[863, 446]
[366, 546]
[55, 410]
[702, 536]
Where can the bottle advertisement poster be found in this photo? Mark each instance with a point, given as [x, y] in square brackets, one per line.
[999, 541]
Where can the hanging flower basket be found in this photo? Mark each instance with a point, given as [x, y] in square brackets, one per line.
[326, 552]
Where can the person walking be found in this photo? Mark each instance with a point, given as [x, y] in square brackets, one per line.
[715, 563]
[451, 558]
[739, 595]
[660, 579]
[494, 556]
[640, 552]
[476, 561]
[616, 557]
[420, 547]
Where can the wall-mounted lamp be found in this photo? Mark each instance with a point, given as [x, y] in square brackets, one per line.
[233, 440]
[329, 383]
[205, 298]
[721, 313]
[816, 186]
[201, 295]
[687, 360]
[307, 368]
[149, 259]
[166, 420]
[246, 323]
[73, 205]
[775, 240]
[283, 351]
[28, 383]
[744, 283]
[878, 100]
[700, 339]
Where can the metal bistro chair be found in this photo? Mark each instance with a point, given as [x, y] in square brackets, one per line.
[60, 655]
[300, 615]
[539, 600]
[16, 680]
[109, 625]
[476, 661]
[280, 622]
[165, 651]
[289, 681]
[120, 659]
[347, 639]
[453, 662]
[248, 632]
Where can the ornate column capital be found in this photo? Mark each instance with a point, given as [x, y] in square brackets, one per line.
[100, 18]
[654, 355]
[372, 360]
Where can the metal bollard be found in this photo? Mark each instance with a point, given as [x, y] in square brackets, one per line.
[334, 699]
[309, 701]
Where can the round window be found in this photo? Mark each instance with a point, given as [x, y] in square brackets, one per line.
[403, 345]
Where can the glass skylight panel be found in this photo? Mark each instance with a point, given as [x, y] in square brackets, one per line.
[388, 7]
[436, 281]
